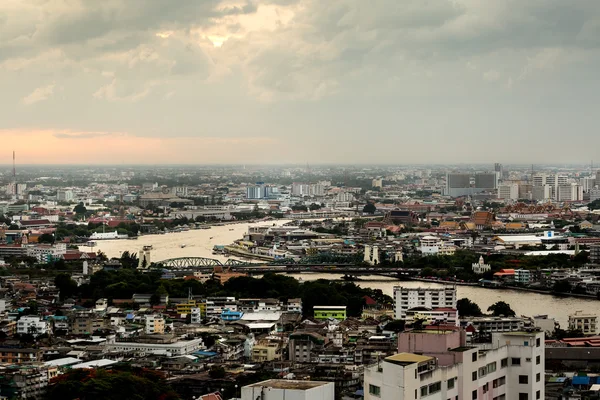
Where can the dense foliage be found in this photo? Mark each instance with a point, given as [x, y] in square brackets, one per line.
[116, 384]
[122, 284]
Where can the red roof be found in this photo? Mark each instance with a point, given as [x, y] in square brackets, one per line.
[369, 301]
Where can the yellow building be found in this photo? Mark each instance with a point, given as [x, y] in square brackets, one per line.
[186, 308]
[266, 351]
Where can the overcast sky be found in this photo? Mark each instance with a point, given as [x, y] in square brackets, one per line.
[296, 81]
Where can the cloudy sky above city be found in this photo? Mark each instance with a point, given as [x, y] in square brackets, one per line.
[297, 81]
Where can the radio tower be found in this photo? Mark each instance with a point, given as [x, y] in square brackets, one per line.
[14, 182]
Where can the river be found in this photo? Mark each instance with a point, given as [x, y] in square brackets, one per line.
[523, 303]
[199, 243]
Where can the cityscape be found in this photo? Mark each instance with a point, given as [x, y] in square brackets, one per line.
[299, 200]
[331, 281]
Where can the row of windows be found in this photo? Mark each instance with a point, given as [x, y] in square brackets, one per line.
[431, 389]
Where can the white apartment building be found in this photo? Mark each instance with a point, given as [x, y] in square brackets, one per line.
[523, 276]
[216, 305]
[43, 253]
[280, 389]
[433, 245]
[585, 322]
[409, 298]
[543, 192]
[180, 348]
[594, 194]
[510, 368]
[65, 195]
[508, 192]
[32, 325]
[494, 324]
[549, 179]
[154, 324]
[572, 192]
[196, 316]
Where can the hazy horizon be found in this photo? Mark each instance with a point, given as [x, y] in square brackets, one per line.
[290, 82]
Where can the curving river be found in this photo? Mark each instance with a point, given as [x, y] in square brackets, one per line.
[199, 243]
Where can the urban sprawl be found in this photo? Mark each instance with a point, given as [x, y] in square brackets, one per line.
[298, 306]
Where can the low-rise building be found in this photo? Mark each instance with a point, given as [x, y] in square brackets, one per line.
[585, 322]
[278, 389]
[169, 349]
[154, 324]
[327, 312]
[32, 325]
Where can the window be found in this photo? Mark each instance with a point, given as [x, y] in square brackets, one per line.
[504, 363]
[537, 395]
[435, 387]
[451, 383]
[537, 377]
[538, 342]
[474, 375]
[423, 391]
[485, 388]
[538, 360]
[515, 361]
[523, 379]
[523, 396]
[501, 381]
[474, 357]
[495, 383]
[375, 390]
[474, 395]
[525, 343]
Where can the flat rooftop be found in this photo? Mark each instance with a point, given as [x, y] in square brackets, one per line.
[289, 384]
[407, 359]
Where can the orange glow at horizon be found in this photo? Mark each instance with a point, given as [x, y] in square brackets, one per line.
[68, 147]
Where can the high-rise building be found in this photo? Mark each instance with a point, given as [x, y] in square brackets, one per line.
[409, 298]
[486, 181]
[508, 192]
[64, 195]
[254, 192]
[541, 192]
[588, 183]
[441, 366]
[594, 194]
[572, 192]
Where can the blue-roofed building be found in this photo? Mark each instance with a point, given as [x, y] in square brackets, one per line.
[228, 315]
[580, 381]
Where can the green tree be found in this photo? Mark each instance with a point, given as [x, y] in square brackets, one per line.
[46, 238]
[501, 308]
[395, 326]
[80, 209]
[369, 208]
[67, 287]
[216, 372]
[467, 308]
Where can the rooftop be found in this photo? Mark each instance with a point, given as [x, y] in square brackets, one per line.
[407, 359]
[289, 384]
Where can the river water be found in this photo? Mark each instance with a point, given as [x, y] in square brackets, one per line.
[523, 303]
[199, 243]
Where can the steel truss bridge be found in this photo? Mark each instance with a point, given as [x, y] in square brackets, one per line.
[202, 262]
[337, 264]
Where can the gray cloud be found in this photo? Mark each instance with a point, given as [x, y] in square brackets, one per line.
[389, 68]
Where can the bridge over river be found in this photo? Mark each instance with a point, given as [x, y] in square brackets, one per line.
[342, 265]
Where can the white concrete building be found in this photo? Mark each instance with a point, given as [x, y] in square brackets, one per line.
[434, 246]
[65, 195]
[572, 192]
[32, 325]
[283, 389]
[522, 276]
[510, 368]
[508, 192]
[481, 267]
[196, 316]
[408, 298]
[585, 322]
[169, 349]
[44, 253]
